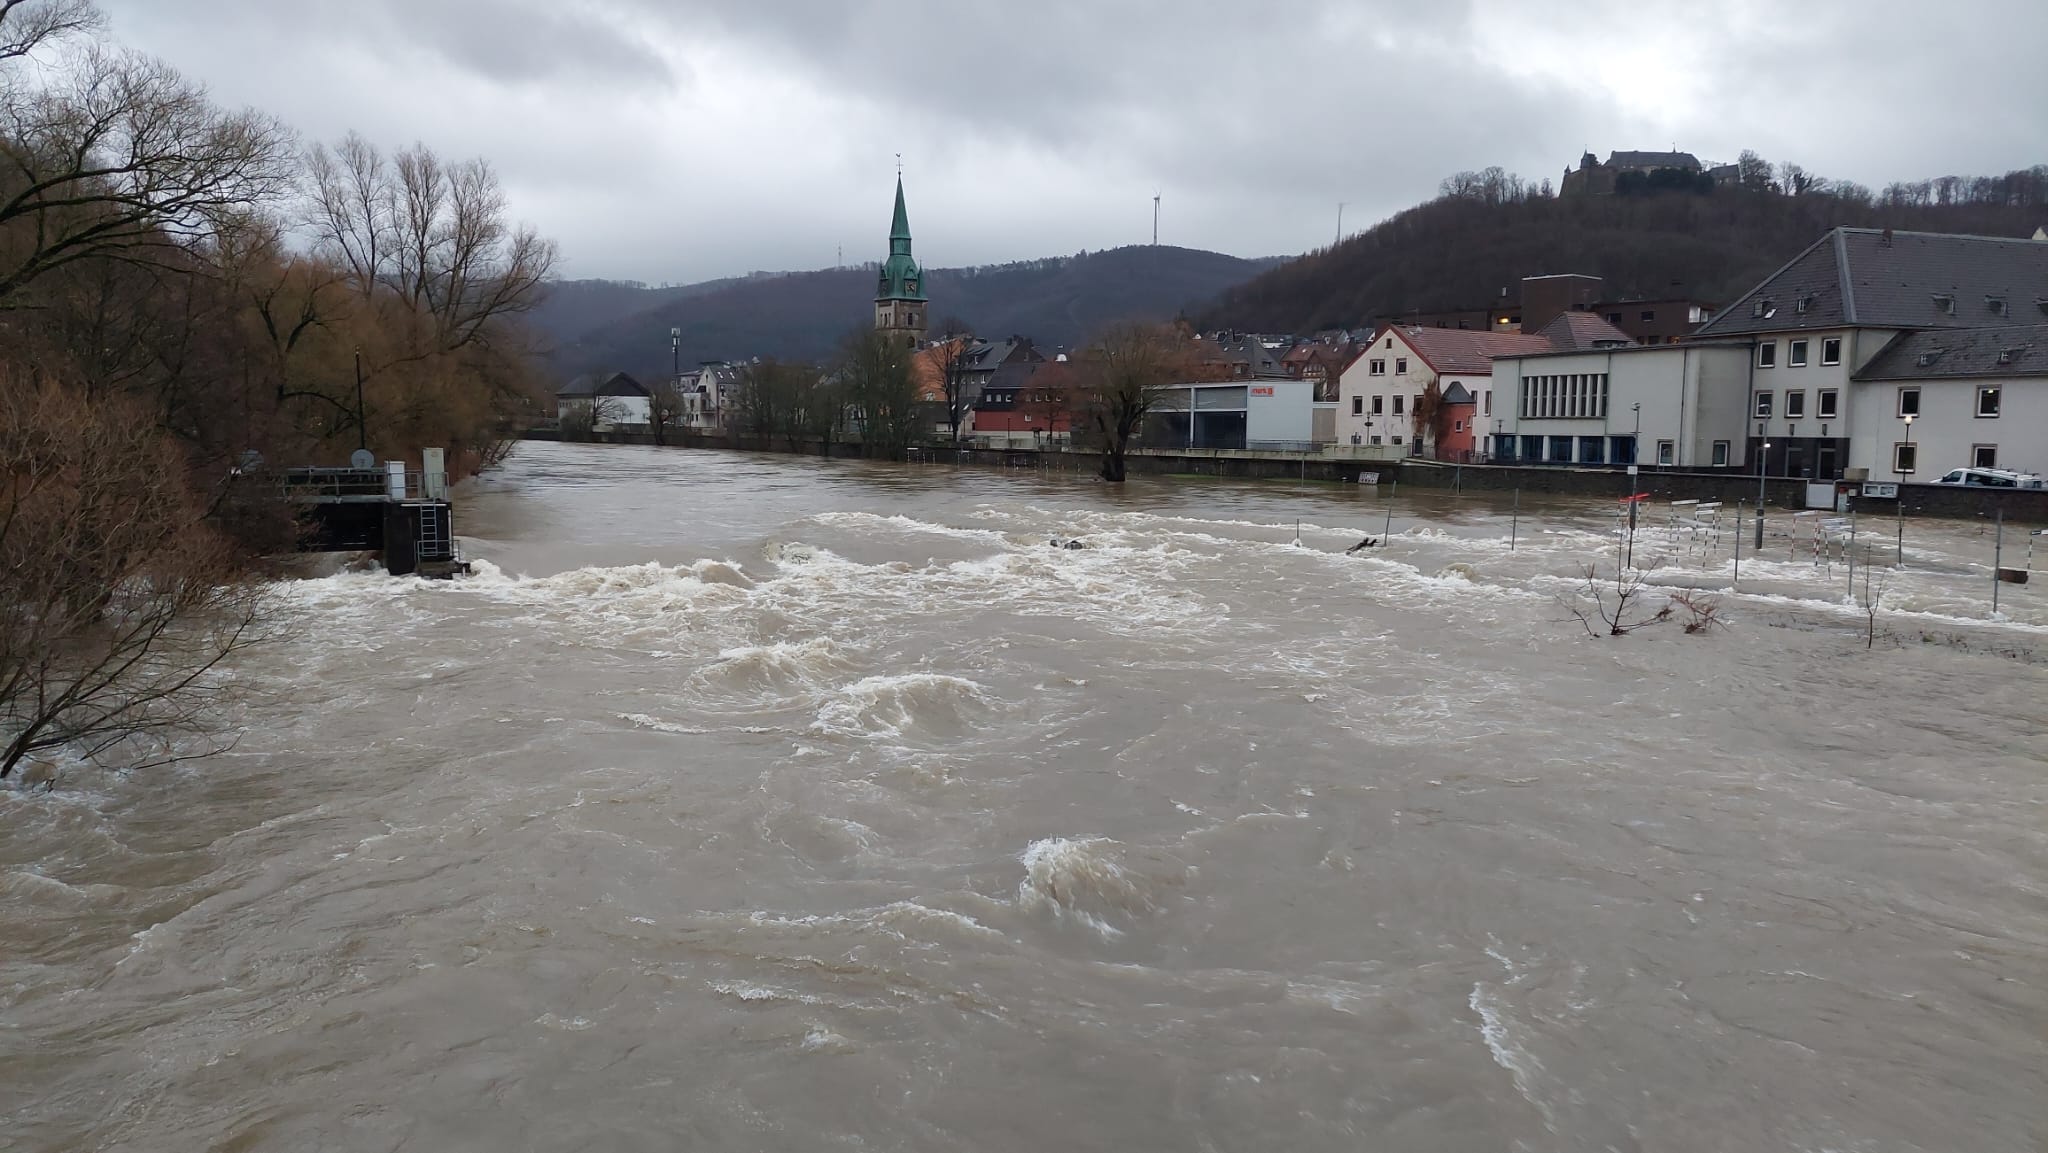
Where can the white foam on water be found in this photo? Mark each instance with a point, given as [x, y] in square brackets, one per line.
[892, 705]
[1087, 880]
[820, 1039]
[752, 994]
[642, 720]
[1522, 1066]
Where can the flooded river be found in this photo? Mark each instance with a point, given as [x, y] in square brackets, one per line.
[761, 803]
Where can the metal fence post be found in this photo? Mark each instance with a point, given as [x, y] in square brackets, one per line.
[1997, 561]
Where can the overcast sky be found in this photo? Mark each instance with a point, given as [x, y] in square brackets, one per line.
[678, 140]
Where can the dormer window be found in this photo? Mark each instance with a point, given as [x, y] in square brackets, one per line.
[1945, 303]
[1757, 310]
[1996, 304]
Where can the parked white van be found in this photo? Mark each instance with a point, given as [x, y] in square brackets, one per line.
[1991, 478]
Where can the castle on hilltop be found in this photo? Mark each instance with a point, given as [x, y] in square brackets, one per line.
[1596, 179]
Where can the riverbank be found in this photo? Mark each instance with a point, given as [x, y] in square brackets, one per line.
[1350, 466]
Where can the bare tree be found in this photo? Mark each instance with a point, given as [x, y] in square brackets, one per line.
[1430, 415]
[874, 371]
[26, 25]
[432, 234]
[119, 156]
[949, 359]
[1615, 604]
[667, 410]
[118, 602]
[1120, 378]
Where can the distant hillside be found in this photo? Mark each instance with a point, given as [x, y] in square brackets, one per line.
[1459, 251]
[803, 315]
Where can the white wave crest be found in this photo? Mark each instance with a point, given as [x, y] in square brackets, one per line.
[891, 706]
[1093, 881]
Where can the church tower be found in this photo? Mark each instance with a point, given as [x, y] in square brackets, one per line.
[899, 297]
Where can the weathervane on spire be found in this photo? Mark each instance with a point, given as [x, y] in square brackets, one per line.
[899, 165]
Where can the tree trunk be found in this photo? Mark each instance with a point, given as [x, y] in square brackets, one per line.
[1113, 462]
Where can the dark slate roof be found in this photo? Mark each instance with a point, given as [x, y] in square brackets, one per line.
[602, 384]
[1578, 331]
[1864, 277]
[1942, 353]
[1684, 160]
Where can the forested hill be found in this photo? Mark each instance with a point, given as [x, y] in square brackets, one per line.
[1061, 301]
[1459, 251]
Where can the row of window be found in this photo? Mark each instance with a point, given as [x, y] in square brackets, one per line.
[1905, 456]
[1795, 404]
[1796, 351]
[1378, 367]
[1572, 395]
[1989, 400]
[1589, 450]
[1358, 404]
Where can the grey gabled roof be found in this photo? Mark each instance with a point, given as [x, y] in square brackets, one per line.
[1947, 353]
[1871, 278]
[602, 384]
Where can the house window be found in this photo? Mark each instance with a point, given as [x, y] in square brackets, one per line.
[1397, 412]
[1390, 342]
[1767, 354]
[1378, 404]
[1831, 350]
[1987, 400]
[1720, 454]
[1902, 457]
[1614, 318]
[1396, 438]
[1827, 404]
[1400, 366]
[1795, 404]
[1649, 314]
[1358, 406]
[1418, 403]
[1378, 368]
[1909, 402]
[1666, 452]
[1983, 456]
[1796, 355]
[1375, 440]
[1457, 426]
[1486, 403]
[1763, 404]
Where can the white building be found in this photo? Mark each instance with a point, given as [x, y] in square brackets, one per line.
[1276, 415]
[1669, 405]
[1978, 397]
[1377, 396]
[604, 401]
[1851, 333]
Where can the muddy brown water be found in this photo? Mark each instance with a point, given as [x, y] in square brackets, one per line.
[752, 802]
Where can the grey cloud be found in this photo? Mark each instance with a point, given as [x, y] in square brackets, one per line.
[674, 140]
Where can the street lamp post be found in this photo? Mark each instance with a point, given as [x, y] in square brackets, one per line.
[1763, 457]
[1635, 439]
[1898, 466]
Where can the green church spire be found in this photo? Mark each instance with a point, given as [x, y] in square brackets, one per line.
[901, 278]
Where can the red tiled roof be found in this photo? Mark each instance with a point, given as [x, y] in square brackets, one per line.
[1455, 351]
